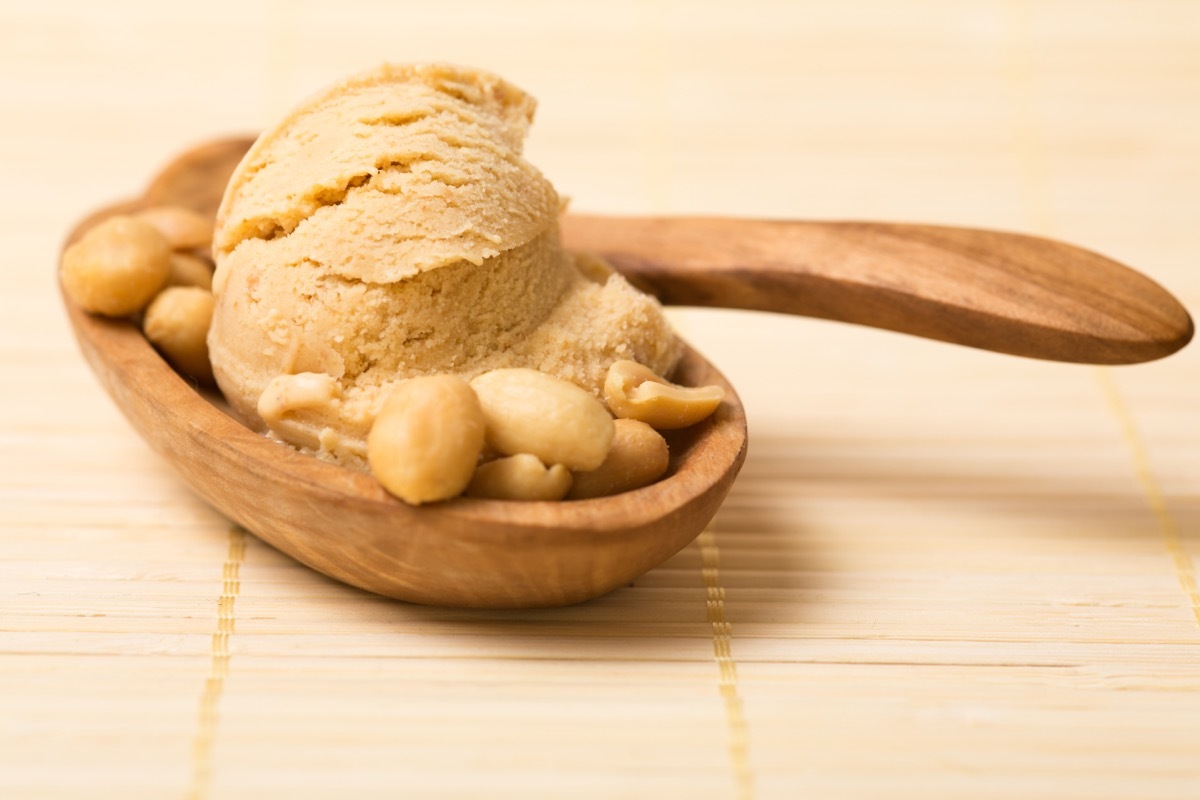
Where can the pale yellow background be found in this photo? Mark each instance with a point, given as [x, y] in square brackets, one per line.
[945, 573]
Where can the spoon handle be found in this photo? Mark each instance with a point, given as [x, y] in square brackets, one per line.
[1005, 292]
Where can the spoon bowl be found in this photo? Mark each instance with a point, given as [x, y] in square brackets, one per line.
[464, 552]
[1004, 292]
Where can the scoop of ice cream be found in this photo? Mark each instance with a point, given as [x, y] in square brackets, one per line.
[390, 227]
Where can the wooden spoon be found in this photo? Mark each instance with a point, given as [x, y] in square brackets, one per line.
[1014, 294]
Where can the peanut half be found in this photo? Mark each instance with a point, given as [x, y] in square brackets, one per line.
[176, 322]
[527, 411]
[634, 391]
[520, 477]
[183, 228]
[637, 458]
[189, 270]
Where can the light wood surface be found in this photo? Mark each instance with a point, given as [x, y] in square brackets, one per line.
[941, 573]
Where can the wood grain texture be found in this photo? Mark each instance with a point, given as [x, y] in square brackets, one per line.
[941, 573]
[1015, 294]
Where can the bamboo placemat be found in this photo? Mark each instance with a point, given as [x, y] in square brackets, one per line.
[942, 573]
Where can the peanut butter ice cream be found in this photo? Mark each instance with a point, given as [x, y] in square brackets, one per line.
[389, 227]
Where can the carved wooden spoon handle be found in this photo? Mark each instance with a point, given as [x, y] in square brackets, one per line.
[997, 291]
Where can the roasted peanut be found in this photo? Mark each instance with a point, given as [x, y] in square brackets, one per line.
[638, 457]
[183, 228]
[520, 477]
[425, 443]
[189, 270]
[593, 267]
[293, 406]
[634, 391]
[117, 267]
[177, 322]
[287, 394]
[532, 412]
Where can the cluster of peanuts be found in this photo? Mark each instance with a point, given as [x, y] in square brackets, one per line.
[152, 266]
[511, 434]
[521, 434]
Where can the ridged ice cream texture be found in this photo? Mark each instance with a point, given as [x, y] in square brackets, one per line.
[389, 227]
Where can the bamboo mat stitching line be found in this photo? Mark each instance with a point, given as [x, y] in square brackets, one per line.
[219, 666]
[710, 558]
[1033, 162]
[1185, 571]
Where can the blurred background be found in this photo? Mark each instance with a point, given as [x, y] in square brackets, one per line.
[1005, 114]
[946, 573]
